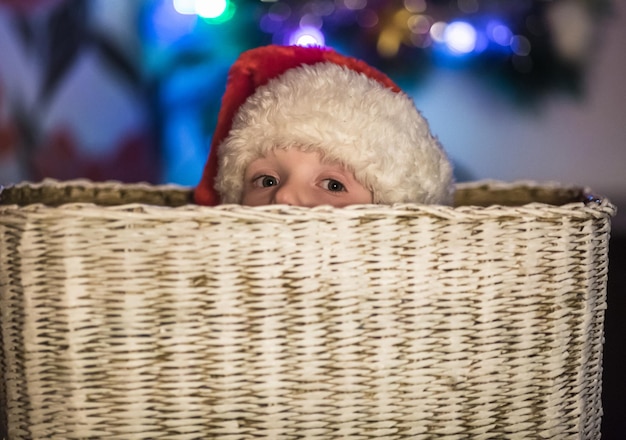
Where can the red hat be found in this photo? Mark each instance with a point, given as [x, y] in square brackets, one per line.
[315, 98]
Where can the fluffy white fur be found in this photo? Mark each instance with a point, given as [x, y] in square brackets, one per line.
[351, 119]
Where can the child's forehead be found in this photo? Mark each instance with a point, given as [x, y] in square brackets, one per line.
[318, 153]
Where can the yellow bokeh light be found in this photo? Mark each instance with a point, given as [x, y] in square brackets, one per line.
[388, 43]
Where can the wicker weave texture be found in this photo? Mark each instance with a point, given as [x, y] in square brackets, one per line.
[140, 321]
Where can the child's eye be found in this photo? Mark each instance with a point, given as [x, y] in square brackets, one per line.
[265, 181]
[333, 185]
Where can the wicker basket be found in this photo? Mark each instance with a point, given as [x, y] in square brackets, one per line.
[129, 313]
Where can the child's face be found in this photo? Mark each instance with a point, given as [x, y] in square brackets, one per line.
[293, 177]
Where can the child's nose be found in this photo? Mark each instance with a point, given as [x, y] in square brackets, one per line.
[290, 193]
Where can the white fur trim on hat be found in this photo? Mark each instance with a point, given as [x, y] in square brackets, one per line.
[350, 119]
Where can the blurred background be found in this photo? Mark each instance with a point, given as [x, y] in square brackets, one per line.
[130, 89]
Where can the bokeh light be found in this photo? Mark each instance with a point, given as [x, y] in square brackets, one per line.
[437, 30]
[499, 33]
[211, 8]
[419, 24]
[185, 7]
[213, 11]
[355, 4]
[415, 6]
[460, 37]
[307, 36]
[468, 6]
[520, 45]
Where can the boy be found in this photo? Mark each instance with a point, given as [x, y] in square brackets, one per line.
[307, 126]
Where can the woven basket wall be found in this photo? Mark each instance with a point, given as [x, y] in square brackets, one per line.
[129, 314]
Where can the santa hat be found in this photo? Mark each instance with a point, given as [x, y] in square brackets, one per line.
[315, 99]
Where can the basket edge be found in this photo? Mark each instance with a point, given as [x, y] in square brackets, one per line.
[587, 197]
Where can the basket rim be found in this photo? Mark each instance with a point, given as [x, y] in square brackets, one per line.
[595, 206]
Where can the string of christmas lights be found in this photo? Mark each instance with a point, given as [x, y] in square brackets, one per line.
[534, 46]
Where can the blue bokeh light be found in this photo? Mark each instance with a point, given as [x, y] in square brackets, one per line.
[499, 33]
